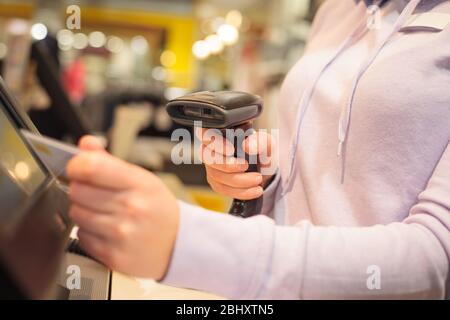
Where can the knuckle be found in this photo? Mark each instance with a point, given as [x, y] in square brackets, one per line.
[133, 205]
[129, 205]
[121, 231]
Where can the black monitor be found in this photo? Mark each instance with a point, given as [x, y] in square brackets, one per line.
[34, 226]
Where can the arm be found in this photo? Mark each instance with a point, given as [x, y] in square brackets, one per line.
[253, 258]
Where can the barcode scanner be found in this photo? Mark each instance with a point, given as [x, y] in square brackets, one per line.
[223, 110]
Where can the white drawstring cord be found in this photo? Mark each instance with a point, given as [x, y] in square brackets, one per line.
[345, 115]
[344, 119]
[305, 98]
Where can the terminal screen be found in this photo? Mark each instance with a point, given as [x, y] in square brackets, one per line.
[20, 173]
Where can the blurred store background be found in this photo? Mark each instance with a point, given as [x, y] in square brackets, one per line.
[108, 67]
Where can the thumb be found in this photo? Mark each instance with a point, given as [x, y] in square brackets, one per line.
[90, 143]
[258, 143]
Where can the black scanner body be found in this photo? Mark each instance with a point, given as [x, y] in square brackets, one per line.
[223, 110]
[216, 109]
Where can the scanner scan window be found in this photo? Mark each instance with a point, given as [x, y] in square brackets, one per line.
[20, 173]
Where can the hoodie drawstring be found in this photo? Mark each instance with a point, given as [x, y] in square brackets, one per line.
[344, 121]
[305, 98]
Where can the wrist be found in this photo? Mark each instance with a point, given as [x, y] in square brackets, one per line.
[172, 227]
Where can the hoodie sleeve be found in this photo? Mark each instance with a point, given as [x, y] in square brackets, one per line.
[255, 259]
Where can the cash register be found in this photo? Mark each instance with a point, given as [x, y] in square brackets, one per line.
[34, 224]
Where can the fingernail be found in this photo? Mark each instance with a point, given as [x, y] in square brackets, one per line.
[259, 179]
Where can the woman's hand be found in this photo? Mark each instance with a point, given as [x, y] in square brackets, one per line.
[226, 174]
[127, 217]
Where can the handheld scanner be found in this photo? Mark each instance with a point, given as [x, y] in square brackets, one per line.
[216, 109]
[222, 110]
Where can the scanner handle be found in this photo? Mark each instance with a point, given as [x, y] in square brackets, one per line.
[245, 208]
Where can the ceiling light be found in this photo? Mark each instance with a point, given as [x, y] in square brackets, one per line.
[97, 39]
[65, 37]
[80, 41]
[228, 34]
[234, 18]
[114, 44]
[39, 31]
[214, 43]
[168, 58]
[201, 49]
[139, 45]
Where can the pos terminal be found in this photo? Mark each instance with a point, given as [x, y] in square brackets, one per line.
[34, 223]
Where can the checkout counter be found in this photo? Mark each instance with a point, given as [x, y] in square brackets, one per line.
[119, 286]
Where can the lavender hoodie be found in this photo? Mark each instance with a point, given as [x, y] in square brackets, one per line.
[381, 100]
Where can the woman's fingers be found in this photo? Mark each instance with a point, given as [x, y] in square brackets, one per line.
[258, 143]
[93, 222]
[220, 162]
[215, 141]
[227, 174]
[103, 170]
[261, 144]
[236, 193]
[236, 180]
[94, 198]
[90, 143]
[94, 246]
